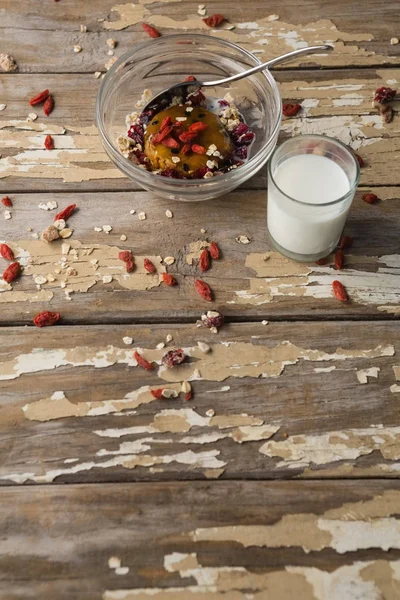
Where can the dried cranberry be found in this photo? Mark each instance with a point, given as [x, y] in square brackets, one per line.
[173, 357]
[197, 98]
[136, 134]
[146, 116]
[384, 95]
[140, 156]
[199, 174]
[172, 173]
[223, 103]
[247, 138]
[240, 130]
[212, 318]
[241, 152]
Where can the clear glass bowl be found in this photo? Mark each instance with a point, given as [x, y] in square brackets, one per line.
[158, 63]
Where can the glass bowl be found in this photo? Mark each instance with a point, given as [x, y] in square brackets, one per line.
[158, 63]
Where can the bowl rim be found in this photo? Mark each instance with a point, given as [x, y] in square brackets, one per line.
[144, 174]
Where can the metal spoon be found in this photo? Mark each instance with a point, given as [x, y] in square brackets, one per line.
[164, 98]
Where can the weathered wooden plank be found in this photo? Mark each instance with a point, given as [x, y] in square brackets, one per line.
[309, 540]
[55, 30]
[245, 284]
[77, 408]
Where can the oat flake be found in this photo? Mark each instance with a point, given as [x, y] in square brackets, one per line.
[7, 215]
[107, 228]
[168, 214]
[169, 260]
[32, 116]
[77, 49]
[2, 106]
[142, 216]
[97, 74]
[107, 278]
[160, 346]
[127, 340]
[242, 239]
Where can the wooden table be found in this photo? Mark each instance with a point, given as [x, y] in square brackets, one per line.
[279, 479]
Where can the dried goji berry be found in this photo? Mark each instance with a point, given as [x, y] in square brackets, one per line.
[6, 201]
[190, 78]
[188, 396]
[173, 357]
[158, 137]
[169, 142]
[187, 136]
[204, 260]
[48, 142]
[340, 291]
[12, 272]
[125, 255]
[198, 126]
[384, 94]
[185, 149]
[290, 110]
[165, 122]
[65, 213]
[214, 20]
[370, 198]
[169, 279]
[198, 149]
[360, 160]
[149, 266]
[345, 242]
[157, 393]
[151, 31]
[39, 98]
[339, 259]
[322, 261]
[214, 251]
[6, 252]
[48, 106]
[46, 318]
[142, 362]
[130, 266]
[203, 289]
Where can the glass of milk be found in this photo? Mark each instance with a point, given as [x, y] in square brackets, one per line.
[311, 185]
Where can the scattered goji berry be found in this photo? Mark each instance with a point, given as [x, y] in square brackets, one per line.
[142, 362]
[48, 106]
[151, 31]
[6, 252]
[370, 198]
[46, 318]
[290, 110]
[322, 261]
[188, 396]
[6, 201]
[197, 149]
[169, 279]
[12, 272]
[214, 20]
[197, 126]
[190, 78]
[360, 160]
[203, 289]
[339, 259]
[130, 266]
[340, 291]
[125, 255]
[157, 393]
[169, 142]
[65, 213]
[204, 260]
[48, 142]
[214, 251]
[149, 266]
[345, 242]
[384, 95]
[39, 98]
[173, 358]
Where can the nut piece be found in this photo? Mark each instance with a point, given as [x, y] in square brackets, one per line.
[50, 234]
[7, 63]
[204, 347]
[173, 358]
[212, 318]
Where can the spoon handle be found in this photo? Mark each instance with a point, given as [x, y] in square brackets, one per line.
[269, 64]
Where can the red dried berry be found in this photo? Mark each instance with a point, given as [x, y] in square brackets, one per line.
[370, 198]
[339, 259]
[214, 251]
[142, 362]
[188, 396]
[39, 98]
[204, 260]
[158, 137]
[197, 126]
[46, 318]
[125, 255]
[345, 242]
[151, 31]
[185, 149]
[12, 272]
[322, 261]
[173, 358]
[48, 106]
[130, 266]
[212, 318]
[214, 20]
[203, 289]
[6, 201]
[149, 266]
[169, 279]
[340, 291]
[65, 213]
[384, 95]
[48, 142]
[187, 136]
[290, 110]
[6, 252]
[198, 149]
[158, 394]
[190, 78]
[165, 122]
[169, 142]
[360, 160]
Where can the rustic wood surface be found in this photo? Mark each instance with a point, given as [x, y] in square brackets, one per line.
[171, 499]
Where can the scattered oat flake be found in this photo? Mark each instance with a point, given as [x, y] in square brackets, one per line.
[66, 233]
[107, 278]
[59, 224]
[107, 228]
[169, 260]
[32, 117]
[65, 248]
[264, 322]
[97, 74]
[111, 43]
[210, 412]
[110, 53]
[204, 347]
[7, 215]
[83, 28]
[2, 106]
[160, 345]
[127, 340]
[243, 239]
[167, 393]
[132, 212]
[40, 279]
[77, 49]
[168, 214]
[110, 62]
[97, 229]
[203, 230]
[142, 216]
[394, 41]
[123, 238]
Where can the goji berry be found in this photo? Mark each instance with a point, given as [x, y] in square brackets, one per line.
[290, 110]
[190, 78]
[188, 396]
[149, 266]
[48, 106]
[130, 266]
[214, 20]
[46, 318]
[48, 142]
[125, 255]
[151, 31]
[203, 289]
[345, 242]
[339, 259]
[198, 126]
[165, 122]
[204, 260]
[65, 213]
[158, 137]
[6, 252]
[169, 142]
[185, 149]
[142, 362]
[157, 393]
[6, 201]
[384, 94]
[39, 98]
[197, 149]
[169, 279]
[187, 136]
[214, 251]
[12, 272]
[370, 198]
[340, 291]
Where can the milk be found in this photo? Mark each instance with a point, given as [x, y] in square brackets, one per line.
[314, 227]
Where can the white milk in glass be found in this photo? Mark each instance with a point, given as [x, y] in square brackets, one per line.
[309, 228]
